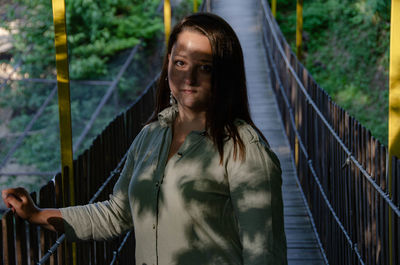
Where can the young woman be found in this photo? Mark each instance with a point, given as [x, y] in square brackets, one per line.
[200, 185]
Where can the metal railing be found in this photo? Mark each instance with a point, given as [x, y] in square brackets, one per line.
[22, 241]
[340, 166]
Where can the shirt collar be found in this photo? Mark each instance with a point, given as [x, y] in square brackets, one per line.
[167, 116]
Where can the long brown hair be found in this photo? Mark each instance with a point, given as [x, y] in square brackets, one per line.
[228, 90]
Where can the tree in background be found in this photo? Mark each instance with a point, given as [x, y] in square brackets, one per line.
[346, 49]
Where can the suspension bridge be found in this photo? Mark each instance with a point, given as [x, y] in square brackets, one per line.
[341, 203]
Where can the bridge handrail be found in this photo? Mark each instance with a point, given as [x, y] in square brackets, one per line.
[101, 154]
[375, 203]
[310, 101]
[104, 185]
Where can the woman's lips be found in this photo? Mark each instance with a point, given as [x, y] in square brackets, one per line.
[188, 91]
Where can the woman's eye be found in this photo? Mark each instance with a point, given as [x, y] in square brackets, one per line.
[179, 63]
[206, 68]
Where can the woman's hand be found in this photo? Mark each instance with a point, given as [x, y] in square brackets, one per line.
[21, 203]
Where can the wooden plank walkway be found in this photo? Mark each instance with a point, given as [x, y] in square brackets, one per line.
[243, 16]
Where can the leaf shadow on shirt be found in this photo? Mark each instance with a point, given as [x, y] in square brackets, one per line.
[222, 221]
[143, 189]
[223, 217]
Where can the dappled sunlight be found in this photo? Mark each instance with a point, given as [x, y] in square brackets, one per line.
[364, 8]
[208, 209]
[61, 57]
[394, 108]
[252, 200]
[254, 244]
[8, 71]
[396, 144]
[350, 94]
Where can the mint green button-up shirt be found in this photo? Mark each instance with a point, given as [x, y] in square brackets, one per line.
[192, 209]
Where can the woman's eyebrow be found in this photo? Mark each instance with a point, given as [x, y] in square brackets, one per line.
[203, 57]
[206, 60]
[180, 54]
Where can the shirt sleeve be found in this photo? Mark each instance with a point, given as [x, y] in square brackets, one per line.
[255, 188]
[107, 219]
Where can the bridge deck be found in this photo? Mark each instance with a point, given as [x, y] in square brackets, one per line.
[243, 16]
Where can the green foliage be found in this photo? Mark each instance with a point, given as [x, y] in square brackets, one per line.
[106, 27]
[97, 30]
[346, 47]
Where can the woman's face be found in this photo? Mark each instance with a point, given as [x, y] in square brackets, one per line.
[189, 70]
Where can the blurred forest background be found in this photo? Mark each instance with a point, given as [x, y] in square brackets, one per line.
[101, 34]
[346, 44]
[346, 50]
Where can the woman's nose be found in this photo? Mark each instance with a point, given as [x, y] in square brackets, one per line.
[191, 76]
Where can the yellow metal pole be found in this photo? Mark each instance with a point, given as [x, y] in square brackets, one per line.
[273, 7]
[167, 19]
[60, 34]
[63, 91]
[195, 6]
[299, 29]
[394, 104]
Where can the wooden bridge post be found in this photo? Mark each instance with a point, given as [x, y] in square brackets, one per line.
[64, 104]
[299, 29]
[167, 20]
[394, 104]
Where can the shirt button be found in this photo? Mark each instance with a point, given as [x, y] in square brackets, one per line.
[154, 226]
[157, 184]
